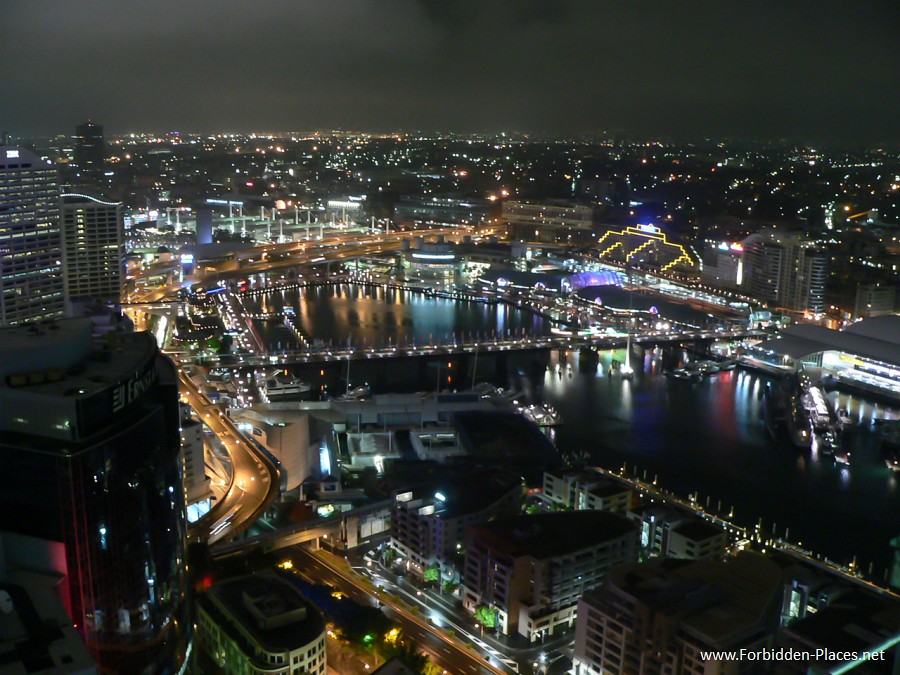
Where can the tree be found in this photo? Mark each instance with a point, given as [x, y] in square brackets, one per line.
[486, 616]
[408, 654]
[431, 574]
[213, 344]
[366, 627]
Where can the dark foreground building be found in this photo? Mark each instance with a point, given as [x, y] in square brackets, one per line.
[89, 455]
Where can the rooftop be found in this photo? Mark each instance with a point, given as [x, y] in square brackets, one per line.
[877, 338]
[394, 667]
[856, 623]
[59, 381]
[20, 158]
[277, 617]
[36, 635]
[698, 530]
[719, 600]
[468, 492]
[549, 535]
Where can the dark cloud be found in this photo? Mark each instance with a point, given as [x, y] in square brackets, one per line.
[819, 70]
[455, 17]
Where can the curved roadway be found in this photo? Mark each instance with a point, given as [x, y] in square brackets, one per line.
[255, 477]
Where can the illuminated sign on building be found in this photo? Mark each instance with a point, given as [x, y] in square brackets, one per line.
[130, 390]
[737, 247]
[434, 256]
[648, 228]
[225, 202]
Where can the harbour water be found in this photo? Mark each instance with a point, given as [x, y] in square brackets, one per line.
[708, 439]
[352, 314]
[705, 439]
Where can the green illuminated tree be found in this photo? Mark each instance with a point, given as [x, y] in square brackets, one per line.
[486, 616]
[431, 574]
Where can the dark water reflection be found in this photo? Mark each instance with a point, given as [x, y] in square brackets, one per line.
[705, 438]
[378, 316]
[708, 438]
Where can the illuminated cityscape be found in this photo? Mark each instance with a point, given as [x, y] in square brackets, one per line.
[518, 349]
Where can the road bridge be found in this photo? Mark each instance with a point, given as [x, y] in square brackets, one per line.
[329, 354]
[339, 527]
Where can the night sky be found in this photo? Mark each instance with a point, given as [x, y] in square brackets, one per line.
[816, 71]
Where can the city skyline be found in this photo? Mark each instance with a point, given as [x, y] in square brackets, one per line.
[547, 337]
[801, 71]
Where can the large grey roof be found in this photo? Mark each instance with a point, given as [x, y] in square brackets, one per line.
[885, 328]
[877, 338]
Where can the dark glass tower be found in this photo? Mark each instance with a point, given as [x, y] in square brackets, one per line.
[89, 151]
[89, 454]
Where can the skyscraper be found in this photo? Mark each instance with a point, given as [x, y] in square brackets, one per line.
[31, 279]
[89, 151]
[93, 245]
[786, 270]
[89, 455]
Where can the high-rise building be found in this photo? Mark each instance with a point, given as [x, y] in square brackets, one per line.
[89, 455]
[93, 246]
[31, 273]
[874, 298]
[723, 264]
[786, 270]
[552, 222]
[531, 570]
[663, 616]
[429, 521]
[442, 210]
[89, 151]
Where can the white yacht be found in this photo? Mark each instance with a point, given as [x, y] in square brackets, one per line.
[281, 383]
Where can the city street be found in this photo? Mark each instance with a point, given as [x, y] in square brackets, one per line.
[254, 482]
[447, 652]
